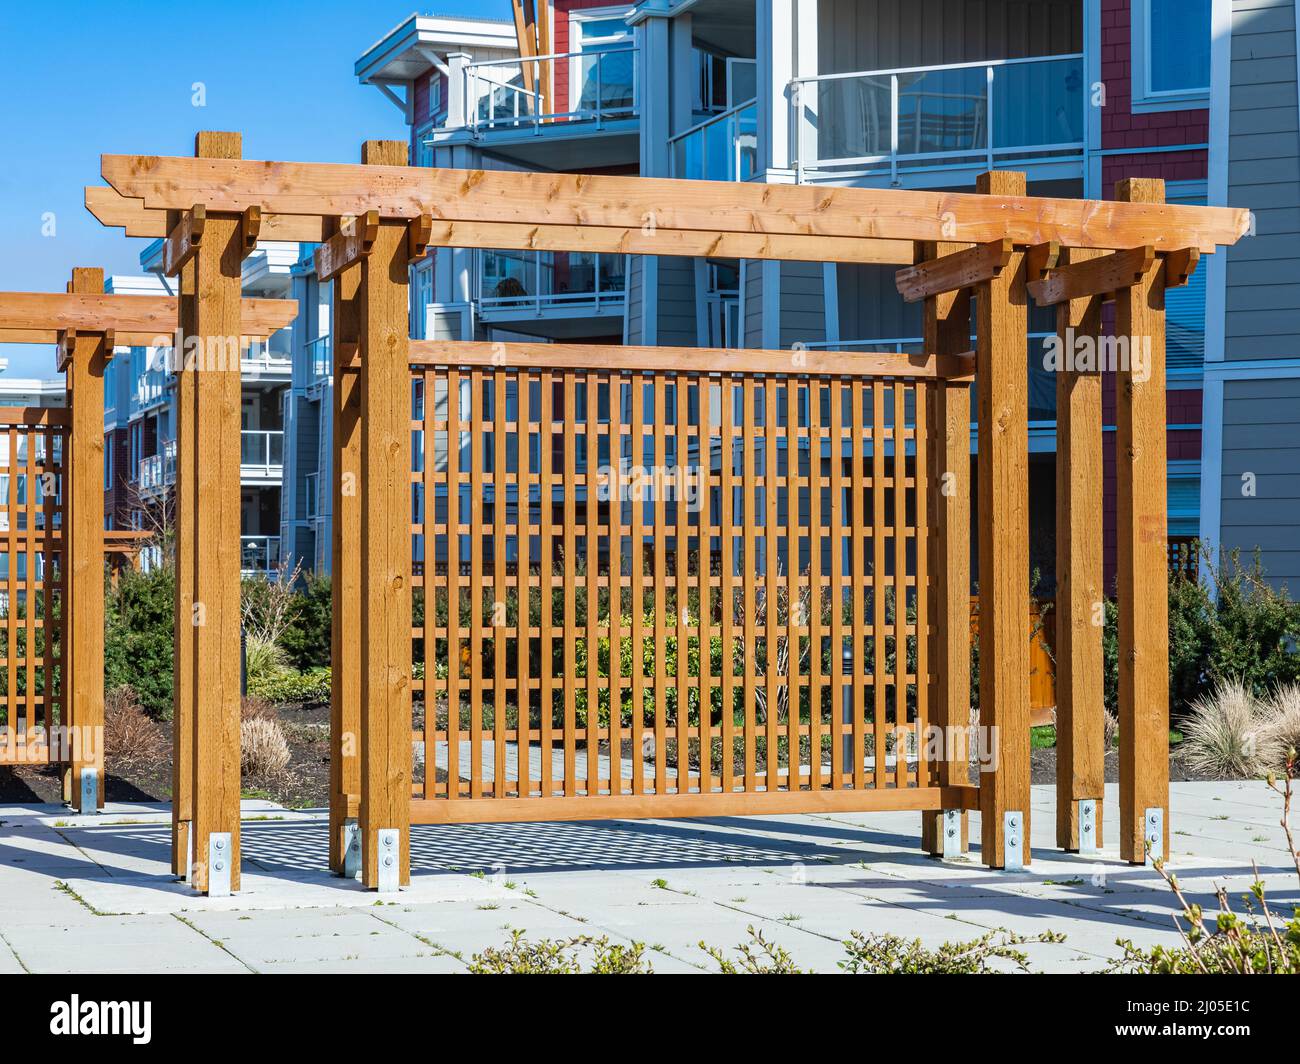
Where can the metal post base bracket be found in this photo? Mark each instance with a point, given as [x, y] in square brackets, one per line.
[390, 863]
[1153, 829]
[219, 861]
[1013, 841]
[952, 835]
[89, 791]
[1088, 826]
[351, 849]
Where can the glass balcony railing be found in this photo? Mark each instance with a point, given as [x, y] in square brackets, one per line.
[158, 471]
[938, 117]
[513, 281]
[261, 452]
[259, 555]
[724, 148]
[602, 87]
[320, 355]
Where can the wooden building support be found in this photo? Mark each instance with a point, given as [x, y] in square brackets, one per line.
[1143, 591]
[385, 586]
[1003, 514]
[1080, 614]
[208, 524]
[88, 354]
[345, 572]
[947, 332]
[955, 270]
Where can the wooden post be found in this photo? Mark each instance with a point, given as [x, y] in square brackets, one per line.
[1141, 471]
[385, 596]
[84, 554]
[345, 568]
[215, 613]
[1003, 510]
[1080, 710]
[947, 331]
[186, 505]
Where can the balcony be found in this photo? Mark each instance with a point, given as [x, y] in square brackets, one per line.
[723, 148]
[157, 472]
[917, 120]
[261, 455]
[259, 555]
[601, 88]
[537, 285]
[320, 359]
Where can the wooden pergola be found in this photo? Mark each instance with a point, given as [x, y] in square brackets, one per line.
[85, 324]
[974, 259]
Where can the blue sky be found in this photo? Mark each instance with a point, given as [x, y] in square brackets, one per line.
[78, 79]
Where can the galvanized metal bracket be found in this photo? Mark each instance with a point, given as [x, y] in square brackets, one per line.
[390, 864]
[351, 849]
[1088, 826]
[89, 791]
[220, 853]
[1013, 841]
[952, 834]
[1153, 830]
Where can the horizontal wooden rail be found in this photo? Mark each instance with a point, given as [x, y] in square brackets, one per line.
[632, 359]
[39, 317]
[656, 204]
[33, 415]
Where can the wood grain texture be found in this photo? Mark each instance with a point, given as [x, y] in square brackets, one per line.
[144, 318]
[1093, 275]
[1003, 515]
[1080, 710]
[954, 270]
[186, 502]
[385, 584]
[661, 203]
[1142, 584]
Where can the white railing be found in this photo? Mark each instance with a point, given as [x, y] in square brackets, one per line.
[937, 117]
[602, 87]
[158, 471]
[259, 554]
[512, 281]
[311, 489]
[261, 452]
[723, 148]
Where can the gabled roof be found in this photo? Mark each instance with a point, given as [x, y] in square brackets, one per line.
[406, 51]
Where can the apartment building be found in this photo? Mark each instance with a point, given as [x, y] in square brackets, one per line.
[139, 416]
[1078, 94]
[1250, 493]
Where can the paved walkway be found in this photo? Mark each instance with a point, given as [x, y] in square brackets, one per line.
[93, 894]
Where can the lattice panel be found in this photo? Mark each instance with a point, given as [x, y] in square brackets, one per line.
[778, 521]
[32, 448]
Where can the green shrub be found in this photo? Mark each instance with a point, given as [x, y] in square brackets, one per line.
[290, 687]
[139, 637]
[892, 955]
[561, 957]
[306, 639]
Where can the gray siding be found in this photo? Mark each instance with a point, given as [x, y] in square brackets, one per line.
[752, 327]
[1262, 313]
[870, 306]
[803, 303]
[677, 322]
[1261, 435]
[635, 299]
[880, 34]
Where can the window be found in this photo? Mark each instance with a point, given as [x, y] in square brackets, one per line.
[604, 80]
[1171, 54]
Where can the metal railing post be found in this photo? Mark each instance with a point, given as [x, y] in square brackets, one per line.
[988, 112]
[893, 129]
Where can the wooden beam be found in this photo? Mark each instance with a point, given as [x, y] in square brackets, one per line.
[348, 246]
[1097, 276]
[385, 596]
[947, 332]
[216, 611]
[1040, 259]
[250, 227]
[183, 241]
[954, 271]
[418, 231]
[526, 41]
[117, 211]
[666, 203]
[1179, 267]
[1003, 513]
[345, 565]
[136, 320]
[1080, 706]
[1141, 474]
[84, 546]
[957, 366]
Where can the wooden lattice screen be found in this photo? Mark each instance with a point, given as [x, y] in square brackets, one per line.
[32, 449]
[688, 467]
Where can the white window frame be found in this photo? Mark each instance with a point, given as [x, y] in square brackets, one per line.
[576, 19]
[1145, 99]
